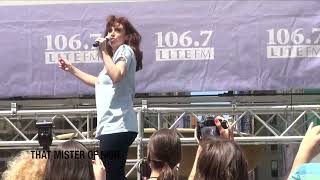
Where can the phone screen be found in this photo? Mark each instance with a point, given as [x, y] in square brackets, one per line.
[208, 131]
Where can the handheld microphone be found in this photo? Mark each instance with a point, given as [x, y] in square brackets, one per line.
[97, 43]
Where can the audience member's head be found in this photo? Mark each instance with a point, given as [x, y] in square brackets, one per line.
[164, 153]
[221, 159]
[24, 167]
[69, 168]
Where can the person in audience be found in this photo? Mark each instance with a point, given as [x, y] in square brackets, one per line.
[24, 167]
[73, 167]
[164, 154]
[308, 149]
[219, 157]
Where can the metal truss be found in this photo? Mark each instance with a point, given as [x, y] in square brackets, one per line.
[270, 124]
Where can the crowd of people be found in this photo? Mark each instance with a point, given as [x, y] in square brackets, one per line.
[216, 158]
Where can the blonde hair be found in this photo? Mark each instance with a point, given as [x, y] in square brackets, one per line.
[24, 167]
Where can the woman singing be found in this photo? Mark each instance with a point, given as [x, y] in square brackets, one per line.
[114, 91]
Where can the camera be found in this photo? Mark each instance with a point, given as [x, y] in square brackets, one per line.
[208, 127]
[44, 133]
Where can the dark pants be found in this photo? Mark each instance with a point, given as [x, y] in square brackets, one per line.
[114, 152]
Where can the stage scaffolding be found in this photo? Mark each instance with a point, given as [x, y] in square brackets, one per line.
[271, 124]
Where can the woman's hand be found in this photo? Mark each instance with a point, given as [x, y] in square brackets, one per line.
[308, 149]
[310, 145]
[225, 133]
[104, 45]
[194, 167]
[98, 169]
[65, 64]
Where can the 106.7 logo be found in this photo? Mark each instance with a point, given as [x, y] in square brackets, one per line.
[283, 43]
[71, 48]
[181, 46]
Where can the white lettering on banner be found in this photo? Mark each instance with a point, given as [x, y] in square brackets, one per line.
[172, 46]
[293, 51]
[285, 43]
[73, 56]
[70, 48]
[184, 54]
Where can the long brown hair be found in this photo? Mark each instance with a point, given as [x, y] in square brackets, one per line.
[69, 168]
[221, 159]
[133, 38]
[164, 153]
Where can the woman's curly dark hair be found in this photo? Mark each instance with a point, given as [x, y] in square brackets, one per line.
[133, 38]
